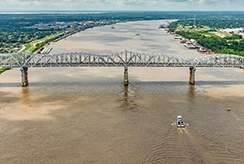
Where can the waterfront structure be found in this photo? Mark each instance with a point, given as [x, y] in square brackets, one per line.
[64, 25]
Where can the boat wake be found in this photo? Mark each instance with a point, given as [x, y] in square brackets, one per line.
[187, 145]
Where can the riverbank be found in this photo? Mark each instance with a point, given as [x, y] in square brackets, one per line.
[190, 43]
[212, 39]
[36, 45]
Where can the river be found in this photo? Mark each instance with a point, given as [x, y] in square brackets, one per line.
[86, 115]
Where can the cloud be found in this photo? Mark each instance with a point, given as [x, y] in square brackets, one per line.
[210, 1]
[177, 0]
[187, 5]
[55, 3]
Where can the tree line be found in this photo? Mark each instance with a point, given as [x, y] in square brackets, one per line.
[227, 45]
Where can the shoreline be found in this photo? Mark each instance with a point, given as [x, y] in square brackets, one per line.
[74, 32]
[63, 35]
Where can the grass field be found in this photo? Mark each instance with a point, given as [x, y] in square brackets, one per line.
[3, 69]
[27, 47]
[31, 44]
[225, 33]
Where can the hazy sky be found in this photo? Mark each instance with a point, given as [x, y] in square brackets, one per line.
[159, 5]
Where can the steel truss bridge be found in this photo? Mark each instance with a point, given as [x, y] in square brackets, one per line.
[122, 59]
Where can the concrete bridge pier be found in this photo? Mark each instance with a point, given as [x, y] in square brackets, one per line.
[24, 76]
[126, 79]
[192, 75]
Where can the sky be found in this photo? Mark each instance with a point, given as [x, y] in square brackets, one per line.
[125, 5]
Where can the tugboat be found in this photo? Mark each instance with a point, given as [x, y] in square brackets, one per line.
[179, 122]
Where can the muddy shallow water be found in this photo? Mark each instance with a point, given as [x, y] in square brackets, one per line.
[86, 115]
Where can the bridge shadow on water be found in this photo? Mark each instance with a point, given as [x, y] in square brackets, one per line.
[168, 83]
[181, 83]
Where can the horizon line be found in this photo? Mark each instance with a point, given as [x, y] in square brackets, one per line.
[120, 11]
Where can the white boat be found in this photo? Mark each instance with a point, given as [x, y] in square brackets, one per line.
[179, 122]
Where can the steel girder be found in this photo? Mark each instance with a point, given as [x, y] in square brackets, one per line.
[121, 59]
[219, 60]
[12, 60]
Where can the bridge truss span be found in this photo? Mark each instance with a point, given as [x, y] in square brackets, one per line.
[125, 59]
[80, 59]
[121, 59]
[219, 60]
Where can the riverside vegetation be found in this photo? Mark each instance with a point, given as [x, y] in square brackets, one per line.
[202, 32]
[15, 31]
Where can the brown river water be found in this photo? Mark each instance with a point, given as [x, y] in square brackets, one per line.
[86, 115]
